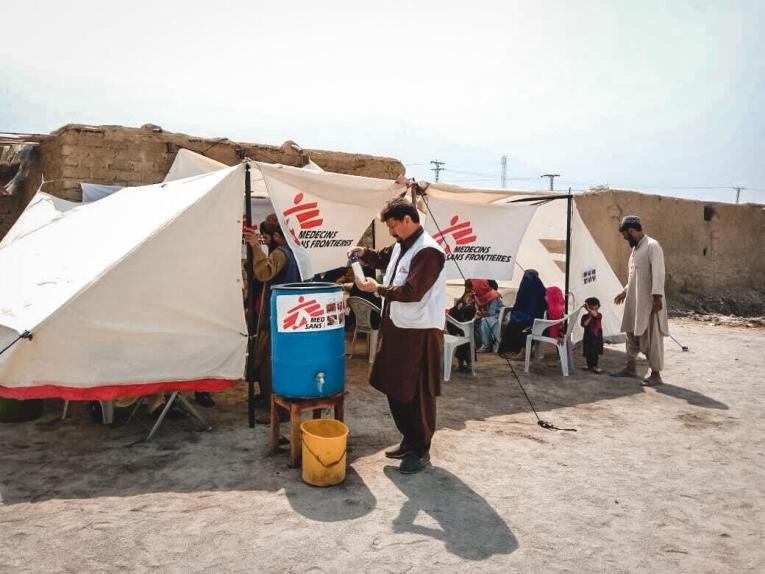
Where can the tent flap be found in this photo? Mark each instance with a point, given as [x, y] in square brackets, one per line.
[143, 286]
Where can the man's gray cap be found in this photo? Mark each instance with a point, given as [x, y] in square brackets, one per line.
[630, 222]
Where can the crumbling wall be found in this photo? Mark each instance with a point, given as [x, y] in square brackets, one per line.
[709, 248]
[118, 155]
[12, 205]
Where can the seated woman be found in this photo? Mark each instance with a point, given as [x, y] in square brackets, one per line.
[529, 305]
[463, 310]
[555, 309]
[489, 304]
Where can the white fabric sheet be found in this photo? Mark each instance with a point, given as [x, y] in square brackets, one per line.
[544, 248]
[141, 286]
[43, 209]
[323, 214]
[480, 240]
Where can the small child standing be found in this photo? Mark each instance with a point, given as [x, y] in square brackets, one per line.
[592, 342]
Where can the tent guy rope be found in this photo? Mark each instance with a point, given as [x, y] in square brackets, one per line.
[542, 423]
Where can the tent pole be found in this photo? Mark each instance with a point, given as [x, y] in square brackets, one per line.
[569, 210]
[250, 369]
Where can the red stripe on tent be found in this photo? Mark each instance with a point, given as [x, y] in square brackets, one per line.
[299, 208]
[448, 230]
[311, 224]
[111, 392]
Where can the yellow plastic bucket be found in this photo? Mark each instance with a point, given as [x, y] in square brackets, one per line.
[324, 446]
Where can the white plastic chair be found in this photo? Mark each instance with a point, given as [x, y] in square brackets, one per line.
[362, 310]
[564, 346]
[107, 411]
[451, 342]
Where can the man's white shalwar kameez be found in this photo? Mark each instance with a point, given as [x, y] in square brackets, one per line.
[645, 330]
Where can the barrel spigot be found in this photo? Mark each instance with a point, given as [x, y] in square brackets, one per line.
[320, 381]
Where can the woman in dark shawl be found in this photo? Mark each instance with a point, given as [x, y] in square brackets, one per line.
[529, 304]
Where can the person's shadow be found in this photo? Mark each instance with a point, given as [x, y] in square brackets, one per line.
[469, 527]
[692, 397]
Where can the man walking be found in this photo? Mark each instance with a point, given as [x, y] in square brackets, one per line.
[407, 367]
[645, 314]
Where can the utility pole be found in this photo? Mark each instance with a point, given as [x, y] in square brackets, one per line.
[503, 162]
[438, 169]
[552, 176]
[738, 189]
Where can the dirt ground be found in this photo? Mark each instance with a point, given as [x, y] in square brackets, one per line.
[670, 479]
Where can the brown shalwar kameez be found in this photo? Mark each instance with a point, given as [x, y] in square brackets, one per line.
[407, 366]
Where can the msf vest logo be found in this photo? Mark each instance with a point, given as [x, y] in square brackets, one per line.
[307, 215]
[460, 233]
[304, 315]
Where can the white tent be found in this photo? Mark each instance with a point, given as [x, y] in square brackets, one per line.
[114, 301]
[188, 163]
[43, 209]
[544, 248]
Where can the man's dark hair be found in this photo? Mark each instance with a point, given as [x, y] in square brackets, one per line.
[399, 208]
[592, 301]
[269, 228]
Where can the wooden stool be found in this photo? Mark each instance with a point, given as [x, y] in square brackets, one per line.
[295, 408]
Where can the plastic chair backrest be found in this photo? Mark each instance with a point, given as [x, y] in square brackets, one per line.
[362, 309]
[465, 326]
[572, 317]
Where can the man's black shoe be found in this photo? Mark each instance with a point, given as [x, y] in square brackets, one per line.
[204, 399]
[413, 464]
[398, 452]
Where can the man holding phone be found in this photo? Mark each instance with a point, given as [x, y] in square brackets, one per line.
[407, 368]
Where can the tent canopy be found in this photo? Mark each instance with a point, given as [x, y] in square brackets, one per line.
[139, 289]
[543, 248]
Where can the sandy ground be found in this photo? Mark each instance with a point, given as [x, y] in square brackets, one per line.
[655, 480]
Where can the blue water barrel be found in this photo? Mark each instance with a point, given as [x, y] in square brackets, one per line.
[307, 339]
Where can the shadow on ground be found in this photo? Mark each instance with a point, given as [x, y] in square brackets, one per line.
[691, 397]
[76, 458]
[468, 526]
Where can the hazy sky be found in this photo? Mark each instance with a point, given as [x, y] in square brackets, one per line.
[661, 96]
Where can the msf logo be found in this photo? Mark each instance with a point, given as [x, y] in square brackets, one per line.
[302, 314]
[461, 233]
[307, 215]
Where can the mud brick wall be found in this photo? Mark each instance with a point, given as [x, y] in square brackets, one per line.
[708, 247]
[117, 155]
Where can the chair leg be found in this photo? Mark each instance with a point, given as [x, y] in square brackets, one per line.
[448, 358]
[107, 412]
[570, 355]
[563, 353]
[372, 345]
[529, 343]
[353, 342]
[66, 410]
[472, 356]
